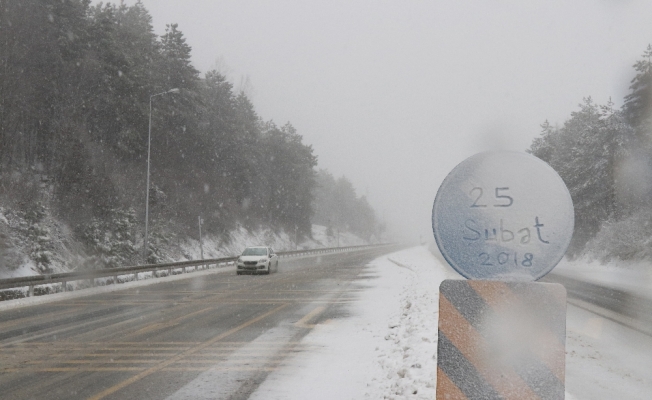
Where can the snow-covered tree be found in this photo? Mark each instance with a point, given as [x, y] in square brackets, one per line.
[638, 104]
[585, 152]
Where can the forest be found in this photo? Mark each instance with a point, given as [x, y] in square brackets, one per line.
[77, 82]
[603, 155]
[337, 207]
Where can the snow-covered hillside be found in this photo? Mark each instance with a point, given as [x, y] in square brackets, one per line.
[241, 238]
[54, 240]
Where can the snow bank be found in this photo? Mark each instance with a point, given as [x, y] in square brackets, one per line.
[408, 357]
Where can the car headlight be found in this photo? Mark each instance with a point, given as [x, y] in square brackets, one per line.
[262, 260]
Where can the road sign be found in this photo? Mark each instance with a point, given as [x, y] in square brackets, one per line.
[501, 340]
[503, 215]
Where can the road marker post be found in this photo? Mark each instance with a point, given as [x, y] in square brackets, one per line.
[502, 220]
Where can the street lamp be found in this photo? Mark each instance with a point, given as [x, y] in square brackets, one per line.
[149, 147]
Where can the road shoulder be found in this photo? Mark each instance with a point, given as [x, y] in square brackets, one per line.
[386, 347]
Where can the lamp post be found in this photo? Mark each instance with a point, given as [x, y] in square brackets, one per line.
[149, 147]
[201, 246]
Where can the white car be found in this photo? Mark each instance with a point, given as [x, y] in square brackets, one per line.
[257, 260]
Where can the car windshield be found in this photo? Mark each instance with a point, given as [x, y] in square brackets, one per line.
[255, 251]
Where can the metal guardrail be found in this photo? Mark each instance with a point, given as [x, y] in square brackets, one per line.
[624, 307]
[636, 309]
[92, 275]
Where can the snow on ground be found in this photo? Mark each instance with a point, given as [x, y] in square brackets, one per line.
[26, 269]
[320, 238]
[213, 247]
[387, 348]
[240, 238]
[605, 360]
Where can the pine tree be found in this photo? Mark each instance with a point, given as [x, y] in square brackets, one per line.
[585, 152]
[178, 70]
[337, 205]
[638, 104]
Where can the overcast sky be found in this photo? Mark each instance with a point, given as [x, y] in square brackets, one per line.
[394, 94]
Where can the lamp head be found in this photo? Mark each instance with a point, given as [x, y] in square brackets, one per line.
[175, 90]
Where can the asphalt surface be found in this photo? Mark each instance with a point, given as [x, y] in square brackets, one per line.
[212, 336]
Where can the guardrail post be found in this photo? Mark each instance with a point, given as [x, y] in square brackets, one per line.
[115, 279]
[92, 282]
[31, 291]
[64, 287]
[136, 276]
[169, 271]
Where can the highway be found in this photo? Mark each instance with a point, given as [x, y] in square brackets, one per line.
[220, 333]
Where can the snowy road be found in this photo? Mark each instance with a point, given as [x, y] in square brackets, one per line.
[387, 349]
[209, 336]
[349, 326]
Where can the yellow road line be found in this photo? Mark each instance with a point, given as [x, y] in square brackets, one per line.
[147, 347]
[240, 301]
[248, 360]
[186, 353]
[104, 350]
[39, 318]
[284, 300]
[134, 350]
[169, 324]
[74, 369]
[303, 322]
[213, 361]
[206, 353]
[86, 362]
[231, 361]
[110, 343]
[187, 369]
[131, 369]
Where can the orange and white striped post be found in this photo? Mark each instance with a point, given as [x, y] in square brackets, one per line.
[502, 220]
[501, 340]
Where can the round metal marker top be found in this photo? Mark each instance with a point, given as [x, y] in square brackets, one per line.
[503, 215]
